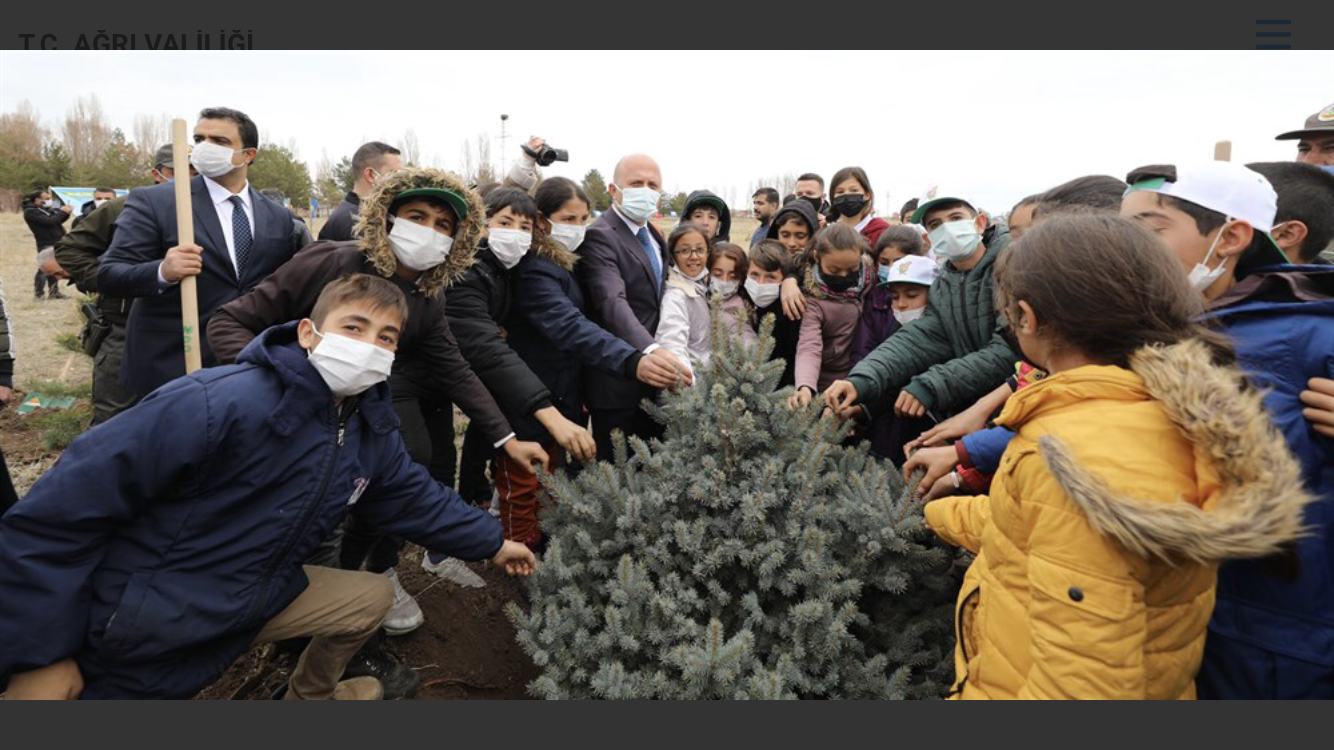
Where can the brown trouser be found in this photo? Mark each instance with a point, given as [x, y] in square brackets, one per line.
[340, 610]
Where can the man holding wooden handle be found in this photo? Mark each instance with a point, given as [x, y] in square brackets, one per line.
[240, 237]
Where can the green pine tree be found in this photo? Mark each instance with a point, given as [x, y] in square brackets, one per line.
[746, 555]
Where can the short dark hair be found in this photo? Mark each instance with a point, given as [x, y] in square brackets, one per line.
[789, 198]
[105, 190]
[906, 212]
[249, 133]
[1206, 220]
[906, 239]
[554, 192]
[1098, 192]
[811, 176]
[516, 200]
[1305, 194]
[375, 292]
[947, 205]
[371, 155]
[769, 194]
[34, 195]
[770, 255]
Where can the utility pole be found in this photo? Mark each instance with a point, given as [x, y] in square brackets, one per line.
[504, 153]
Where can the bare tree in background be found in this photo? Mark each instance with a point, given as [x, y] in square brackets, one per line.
[475, 161]
[785, 184]
[150, 133]
[412, 150]
[21, 134]
[86, 132]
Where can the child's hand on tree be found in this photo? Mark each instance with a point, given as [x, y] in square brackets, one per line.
[802, 398]
[841, 398]
[938, 463]
[515, 558]
[576, 440]
[526, 454]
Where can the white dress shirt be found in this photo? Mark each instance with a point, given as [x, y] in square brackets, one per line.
[223, 206]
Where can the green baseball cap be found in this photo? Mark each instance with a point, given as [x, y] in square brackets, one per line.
[455, 200]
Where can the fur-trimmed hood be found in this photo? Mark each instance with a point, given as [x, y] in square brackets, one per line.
[1257, 504]
[548, 249]
[373, 226]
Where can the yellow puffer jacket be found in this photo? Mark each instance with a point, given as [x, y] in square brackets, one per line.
[1113, 505]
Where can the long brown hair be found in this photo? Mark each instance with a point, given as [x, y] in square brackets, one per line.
[1104, 286]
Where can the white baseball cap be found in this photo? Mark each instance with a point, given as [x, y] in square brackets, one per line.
[913, 269]
[1231, 189]
[933, 196]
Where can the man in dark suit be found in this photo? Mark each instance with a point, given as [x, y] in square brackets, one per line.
[369, 163]
[241, 238]
[623, 268]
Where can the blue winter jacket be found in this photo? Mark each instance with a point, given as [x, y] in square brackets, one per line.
[548, 330]
[1272, 637]
[163, 540]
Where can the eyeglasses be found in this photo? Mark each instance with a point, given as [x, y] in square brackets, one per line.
[693, 251]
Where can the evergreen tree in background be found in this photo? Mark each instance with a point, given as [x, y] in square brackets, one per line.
[747, 555]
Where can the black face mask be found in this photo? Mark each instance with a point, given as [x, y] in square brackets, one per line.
[816, 203]
[840, 283]
[1007, 333]
[849, 204]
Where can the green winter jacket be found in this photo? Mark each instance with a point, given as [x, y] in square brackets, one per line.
[952, 355]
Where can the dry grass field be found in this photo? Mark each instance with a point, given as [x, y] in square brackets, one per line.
[44, 362]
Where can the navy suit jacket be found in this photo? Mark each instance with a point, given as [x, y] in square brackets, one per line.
[624, 298]
[154, 352]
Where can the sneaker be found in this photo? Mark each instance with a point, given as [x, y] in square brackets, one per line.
[56, 295]
[359, 689]
[406, 615]
[397, 679]
[355, 689]
[453, 570]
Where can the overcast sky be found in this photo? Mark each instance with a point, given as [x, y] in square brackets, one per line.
[992, 125]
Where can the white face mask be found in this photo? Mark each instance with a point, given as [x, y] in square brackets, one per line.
[50, 203]
[509, 245]
[697, 277]
[570, 236]
[639, 203]
[417, 247]
[724, 288]
[1202, 276]
[762, 295]
[212, 160]
[97, 202]
[349, 366]
[904, 317]
[955, 240]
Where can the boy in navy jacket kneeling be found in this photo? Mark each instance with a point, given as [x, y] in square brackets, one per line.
[169, 540]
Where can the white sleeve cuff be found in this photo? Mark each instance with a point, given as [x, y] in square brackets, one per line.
[162, 283]
[504, 440]
[651, 348]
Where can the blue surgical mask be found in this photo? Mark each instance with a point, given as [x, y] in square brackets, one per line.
[955, 240]
[639, 203]
[883, 273]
